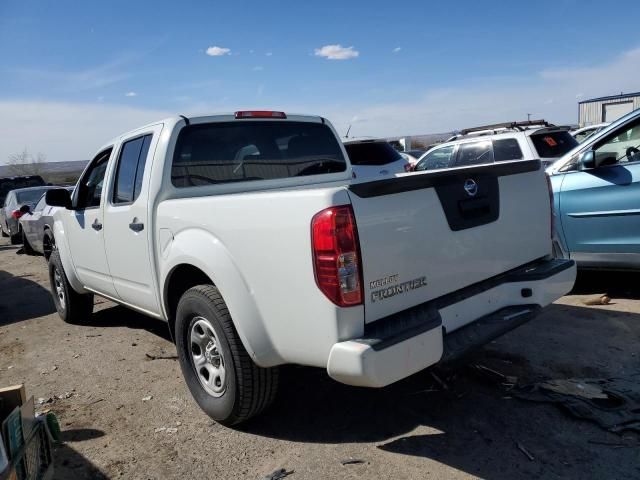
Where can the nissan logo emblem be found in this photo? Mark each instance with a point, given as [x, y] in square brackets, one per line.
[471, 187]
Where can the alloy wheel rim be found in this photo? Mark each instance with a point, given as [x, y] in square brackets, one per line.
[207, 358]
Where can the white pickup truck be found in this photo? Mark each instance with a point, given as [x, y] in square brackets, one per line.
[248, 235]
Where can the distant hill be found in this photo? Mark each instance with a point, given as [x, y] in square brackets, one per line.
[53, 172]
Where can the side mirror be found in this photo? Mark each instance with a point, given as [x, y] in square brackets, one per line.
[58, 197]
[587, 160]
[25, 209]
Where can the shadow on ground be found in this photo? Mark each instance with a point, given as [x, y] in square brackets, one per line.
[22, 299]
[69, 464]
[616, 284]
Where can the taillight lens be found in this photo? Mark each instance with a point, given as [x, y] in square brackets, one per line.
[259, 114]
[552, 213]
[336, 255]
[16, 214]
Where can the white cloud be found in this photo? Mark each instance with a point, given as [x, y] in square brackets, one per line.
[218, 51]
[269, 54]
[397, 49]
[336, 52]
[257, 68]
[131, 94]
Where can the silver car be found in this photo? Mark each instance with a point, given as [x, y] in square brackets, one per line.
[15, 205]
[37, 228]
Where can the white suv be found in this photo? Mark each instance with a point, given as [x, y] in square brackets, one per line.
[501, 142]
[373, 158]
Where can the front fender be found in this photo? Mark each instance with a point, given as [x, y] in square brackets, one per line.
[201, 249]
[62, 244]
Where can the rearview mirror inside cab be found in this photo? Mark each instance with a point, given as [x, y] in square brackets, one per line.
[58, 197]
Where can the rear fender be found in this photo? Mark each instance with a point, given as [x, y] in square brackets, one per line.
[206, 252]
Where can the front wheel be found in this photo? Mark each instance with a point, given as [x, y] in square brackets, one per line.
[73, 307]
[16, 238]
[221, 376]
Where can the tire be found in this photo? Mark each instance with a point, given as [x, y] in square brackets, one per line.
[73, 307]
[48, 244]
[26, 245]
[245, 389]
[4, 231]
[17, 238]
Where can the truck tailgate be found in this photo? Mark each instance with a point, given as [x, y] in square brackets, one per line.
[429, 234]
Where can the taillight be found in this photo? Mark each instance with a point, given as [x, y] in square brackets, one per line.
[16, 214]
[336, 255]
[259, 114]
[552, 212]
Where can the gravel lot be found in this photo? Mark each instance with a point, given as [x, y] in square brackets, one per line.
[414, 429]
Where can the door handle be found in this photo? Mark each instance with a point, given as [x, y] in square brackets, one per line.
[96, 225]
[136, 226]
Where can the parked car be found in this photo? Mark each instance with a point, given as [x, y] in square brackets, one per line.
[412, 156]
[596, 188]
[581, 134]
[16, 204]
[12, 183]
[375, 158]
[248, 235]
[37, 225]
[501, 142]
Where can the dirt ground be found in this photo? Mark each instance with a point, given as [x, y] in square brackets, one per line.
[414, 429]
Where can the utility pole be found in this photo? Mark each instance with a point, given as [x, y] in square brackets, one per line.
[528, 117]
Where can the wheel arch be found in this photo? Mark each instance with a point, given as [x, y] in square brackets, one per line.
[211, 263]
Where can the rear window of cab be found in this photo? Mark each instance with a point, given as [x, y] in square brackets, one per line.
[248, 150]
[371, 153]
[553, 144]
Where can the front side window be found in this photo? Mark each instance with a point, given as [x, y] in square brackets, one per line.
[474, 153]
[246, 150]
[90, 187]
[130, 170]
[623, 147]
[436, 159]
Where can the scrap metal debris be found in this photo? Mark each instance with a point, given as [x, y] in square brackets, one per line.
[612, 403]
[278, 474]
[525, 451]
[352, 461]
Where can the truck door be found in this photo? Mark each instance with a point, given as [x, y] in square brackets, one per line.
[84, 228]
[127, 228]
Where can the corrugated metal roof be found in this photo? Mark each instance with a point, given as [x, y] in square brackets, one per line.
[612, 97]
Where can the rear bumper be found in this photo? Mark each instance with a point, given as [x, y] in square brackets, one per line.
[447, 328]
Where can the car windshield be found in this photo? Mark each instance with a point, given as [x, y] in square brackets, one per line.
[29, 197]
[372, 153]
[553, 144]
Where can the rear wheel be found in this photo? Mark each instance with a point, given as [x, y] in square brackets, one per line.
[4, 231]
[221, 376]
[72, 306]
[26, 245]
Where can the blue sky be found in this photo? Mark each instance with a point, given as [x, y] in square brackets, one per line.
[413, 67]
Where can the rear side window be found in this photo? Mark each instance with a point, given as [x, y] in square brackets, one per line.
[133, 156]
[506, 149]
[374, 153]
[474, 153]
[247, 150]
[553, 144]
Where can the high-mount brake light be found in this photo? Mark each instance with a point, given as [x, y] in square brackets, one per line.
[259, 114]
[336, 255]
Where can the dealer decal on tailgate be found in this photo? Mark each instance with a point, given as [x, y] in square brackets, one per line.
[393, 290]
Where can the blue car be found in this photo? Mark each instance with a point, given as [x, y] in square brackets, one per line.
[596, 190]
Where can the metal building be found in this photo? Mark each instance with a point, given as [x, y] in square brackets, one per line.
[607, 109]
